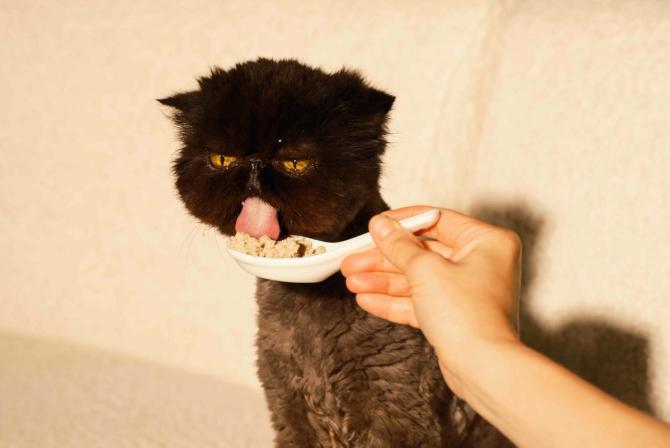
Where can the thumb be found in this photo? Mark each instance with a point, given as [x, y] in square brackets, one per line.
[397, 244]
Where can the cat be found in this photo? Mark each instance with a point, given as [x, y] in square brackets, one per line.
[276, 147]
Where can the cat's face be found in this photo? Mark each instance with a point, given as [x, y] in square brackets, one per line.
[276, 147]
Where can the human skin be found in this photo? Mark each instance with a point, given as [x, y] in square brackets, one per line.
[460, 288]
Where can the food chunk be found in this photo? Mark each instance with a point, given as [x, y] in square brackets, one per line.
[264, 246]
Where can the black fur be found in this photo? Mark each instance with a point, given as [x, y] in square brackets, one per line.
[334, 376]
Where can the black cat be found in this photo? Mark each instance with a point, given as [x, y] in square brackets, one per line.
[277, 148]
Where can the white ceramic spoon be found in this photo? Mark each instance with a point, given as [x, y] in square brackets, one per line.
[316, 268]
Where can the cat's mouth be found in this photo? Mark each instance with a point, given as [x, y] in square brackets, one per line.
[258, 218]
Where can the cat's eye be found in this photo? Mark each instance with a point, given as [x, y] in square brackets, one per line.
[220, 161]
[296, 166]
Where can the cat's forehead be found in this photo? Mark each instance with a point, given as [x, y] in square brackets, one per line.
[272, 89]
[256, 126]
[270, 106]
[280, 147]
[274, 116]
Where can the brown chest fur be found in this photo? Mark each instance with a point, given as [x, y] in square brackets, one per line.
[335, 376]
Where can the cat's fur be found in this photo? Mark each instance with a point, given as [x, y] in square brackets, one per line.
[333, 375]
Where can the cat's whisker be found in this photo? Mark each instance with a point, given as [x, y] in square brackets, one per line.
[187, 242]
[189, 235]
[217, 238]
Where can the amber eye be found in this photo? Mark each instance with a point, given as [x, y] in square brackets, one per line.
[296, 166]
[221, 161]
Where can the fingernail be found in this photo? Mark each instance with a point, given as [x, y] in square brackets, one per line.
[382, 226]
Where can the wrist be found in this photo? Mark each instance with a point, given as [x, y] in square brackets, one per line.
[464, 369]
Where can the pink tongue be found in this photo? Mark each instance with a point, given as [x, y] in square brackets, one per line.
[258, 218]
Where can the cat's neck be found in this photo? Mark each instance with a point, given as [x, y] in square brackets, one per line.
[359, 224]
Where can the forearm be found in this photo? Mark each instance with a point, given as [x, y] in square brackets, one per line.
[538, 403]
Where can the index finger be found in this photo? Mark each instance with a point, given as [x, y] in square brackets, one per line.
[367, 261]
[452, 228]
[372, 260]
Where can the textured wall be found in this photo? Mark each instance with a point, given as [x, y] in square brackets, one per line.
[574, 153]
[550, 117]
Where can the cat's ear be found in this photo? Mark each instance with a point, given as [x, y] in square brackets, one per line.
[369, 103]
[373, 106]
[377, 101]
[182, 101]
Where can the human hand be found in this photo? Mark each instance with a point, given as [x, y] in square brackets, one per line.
[460, 289]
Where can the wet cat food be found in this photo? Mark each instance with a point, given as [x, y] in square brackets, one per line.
[264, 246]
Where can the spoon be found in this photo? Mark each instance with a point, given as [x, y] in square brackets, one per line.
[316, 268]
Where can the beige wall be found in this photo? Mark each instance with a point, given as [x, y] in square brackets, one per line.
[562, 108]
[99, 250]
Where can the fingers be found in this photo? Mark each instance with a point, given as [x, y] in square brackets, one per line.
[373, 261]
[394, 309]
[380, 283]
[452, 228]
[442, 249]
[400, 246]
[367, 261]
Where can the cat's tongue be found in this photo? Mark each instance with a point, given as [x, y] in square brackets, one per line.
[258, 218]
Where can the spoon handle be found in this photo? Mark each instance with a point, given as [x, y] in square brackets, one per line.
[413, 223]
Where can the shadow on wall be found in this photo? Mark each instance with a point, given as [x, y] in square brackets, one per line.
[614, 359]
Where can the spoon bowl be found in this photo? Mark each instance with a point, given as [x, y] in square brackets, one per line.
[316, 268]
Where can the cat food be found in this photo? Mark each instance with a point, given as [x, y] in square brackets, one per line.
[264, 246]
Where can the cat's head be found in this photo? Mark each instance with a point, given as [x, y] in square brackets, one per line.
[277, 147]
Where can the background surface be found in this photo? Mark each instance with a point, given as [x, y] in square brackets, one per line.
[552, 118]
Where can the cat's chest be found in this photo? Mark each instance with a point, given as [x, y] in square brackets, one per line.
[309, 322]
[323, 333]
[341, 364]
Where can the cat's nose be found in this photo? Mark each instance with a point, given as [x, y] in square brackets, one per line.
[256, 164]
[254, 184]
